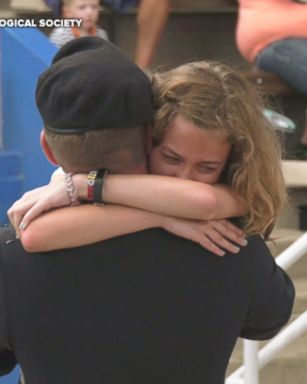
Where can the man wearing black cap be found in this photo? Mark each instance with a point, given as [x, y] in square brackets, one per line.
[143, 308]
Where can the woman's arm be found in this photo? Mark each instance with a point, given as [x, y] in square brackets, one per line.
[169, 196]
[82, 225]
[160, 194]
[85, 224]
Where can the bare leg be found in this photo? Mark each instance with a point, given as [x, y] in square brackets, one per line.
[151, 20]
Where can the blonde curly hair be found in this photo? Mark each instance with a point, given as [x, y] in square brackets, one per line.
[215, 97]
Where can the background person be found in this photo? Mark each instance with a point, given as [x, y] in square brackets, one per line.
[152, 17]
[147, 307]
[88, 11]
[272, 35]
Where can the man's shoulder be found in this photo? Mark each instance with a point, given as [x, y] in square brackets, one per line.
[256, 245]
[256, 241]
[256, 256]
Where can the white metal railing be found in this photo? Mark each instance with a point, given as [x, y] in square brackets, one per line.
[255, 359]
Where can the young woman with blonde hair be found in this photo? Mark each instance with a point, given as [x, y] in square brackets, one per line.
[212, 155]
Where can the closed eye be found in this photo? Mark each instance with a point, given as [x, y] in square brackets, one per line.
[207, 168]
[171, 159]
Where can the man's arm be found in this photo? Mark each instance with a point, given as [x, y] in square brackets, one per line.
[7, 356]
[272, 294]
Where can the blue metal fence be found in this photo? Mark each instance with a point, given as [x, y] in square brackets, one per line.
[11, 378]
[25, 53]
[11, 181]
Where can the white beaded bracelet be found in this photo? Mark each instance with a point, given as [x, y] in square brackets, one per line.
[70, 188]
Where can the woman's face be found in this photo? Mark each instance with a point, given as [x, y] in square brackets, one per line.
[190, 152]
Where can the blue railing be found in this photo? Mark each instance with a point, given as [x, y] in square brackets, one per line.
[11, 181]
[11, 378]
[25, 53]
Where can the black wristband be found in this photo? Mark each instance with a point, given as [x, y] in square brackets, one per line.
[98, 186]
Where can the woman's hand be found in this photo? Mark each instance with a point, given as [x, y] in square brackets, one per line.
[216, 236]
[39, 200]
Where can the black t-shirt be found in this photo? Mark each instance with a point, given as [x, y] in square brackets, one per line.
[143, 308]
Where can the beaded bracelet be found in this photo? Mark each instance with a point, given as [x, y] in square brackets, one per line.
[90, 185]
[70, 188]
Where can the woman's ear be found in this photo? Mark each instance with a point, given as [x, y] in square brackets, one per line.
[46, 149]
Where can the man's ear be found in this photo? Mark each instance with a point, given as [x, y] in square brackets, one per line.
[46, 149]
[148, 139]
